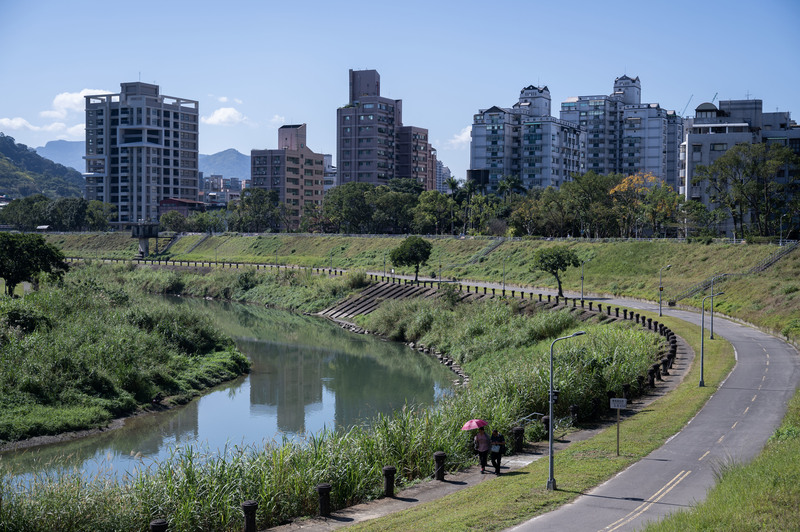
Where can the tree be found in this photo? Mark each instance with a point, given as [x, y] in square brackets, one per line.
[257, 211]
[173, 221]
[99, 214]
[347, 207]
[555, 260]
[744, 180]
[432, 213]
[23, 256]
[414, 251]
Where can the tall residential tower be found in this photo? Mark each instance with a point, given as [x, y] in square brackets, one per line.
[141, 148]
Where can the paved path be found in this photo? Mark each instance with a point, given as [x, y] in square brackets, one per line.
[732, 427]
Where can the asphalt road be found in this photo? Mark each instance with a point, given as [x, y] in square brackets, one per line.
[732, 427]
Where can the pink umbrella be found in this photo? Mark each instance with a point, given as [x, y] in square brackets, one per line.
[474, 424]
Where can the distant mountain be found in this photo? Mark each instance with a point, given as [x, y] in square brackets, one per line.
[23, 172]
[67, 152]
[228, 163]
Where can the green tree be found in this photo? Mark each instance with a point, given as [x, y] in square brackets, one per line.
[744, 180]
[67, 214]
[258, 210]
[99, 214]
[24, 256]
[348, 209]
[413, 251]
[432, 213]
[173, 221]
[393, 210]
[555, 260]
[26, 213]
[588, 197]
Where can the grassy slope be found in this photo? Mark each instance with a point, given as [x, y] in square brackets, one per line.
[770, 299]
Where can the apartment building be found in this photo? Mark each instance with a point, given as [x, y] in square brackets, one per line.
[624, 135]
[141, 148]
[524, 141]
[714, 130]
[293, 170]
[372, 145]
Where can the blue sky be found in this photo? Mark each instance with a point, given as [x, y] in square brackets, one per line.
[255, 65]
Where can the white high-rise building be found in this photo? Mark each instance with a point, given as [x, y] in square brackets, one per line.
[524, 141]
[141, 148]
[626, 136]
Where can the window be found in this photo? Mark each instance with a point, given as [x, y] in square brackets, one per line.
[719, 146]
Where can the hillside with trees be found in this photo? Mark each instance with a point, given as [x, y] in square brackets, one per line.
[23, 173]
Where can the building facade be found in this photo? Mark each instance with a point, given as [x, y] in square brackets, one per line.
[294, 171]
[442, 175]
[626, 136]
[714, 130]
[141, 148]
[524, 141]
[372, 145]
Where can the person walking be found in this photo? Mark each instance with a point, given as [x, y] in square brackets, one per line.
[498, 447]
[482, 445]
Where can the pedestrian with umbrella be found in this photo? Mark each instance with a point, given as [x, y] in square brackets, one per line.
[481, 441]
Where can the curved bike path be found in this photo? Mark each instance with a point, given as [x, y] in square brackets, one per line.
[733, 426]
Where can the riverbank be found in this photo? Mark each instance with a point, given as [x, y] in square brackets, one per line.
[79, 355]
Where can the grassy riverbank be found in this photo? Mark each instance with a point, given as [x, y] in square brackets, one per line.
[204, 492]
[770, 299]
[511, 499]
[78, 355]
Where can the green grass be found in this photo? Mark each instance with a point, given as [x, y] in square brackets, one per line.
[762, 495]
[770, 300]
[518, 496]
[75, 356]
[199, 490]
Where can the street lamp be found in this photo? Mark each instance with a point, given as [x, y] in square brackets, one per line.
[504, 276]
[703, 332]
[551, 481]
[780, 242]
[711, 337]
[661, 288]
[582, 263]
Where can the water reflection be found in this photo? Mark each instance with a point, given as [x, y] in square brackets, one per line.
[307, 374]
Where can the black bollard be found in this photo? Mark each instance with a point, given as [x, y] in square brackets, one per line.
[388, 480]
[249, 508]
[158, 525]
[640, 383]
[657, 370]
[324, 492]
[650, 323]
[651, 377]
[616, 312]
[665, 366]
[439, 458]
[549, 298]
[625, 313]
[518, 437]
[626, 391]
[590, 305]
[546, 423]
[600, 308]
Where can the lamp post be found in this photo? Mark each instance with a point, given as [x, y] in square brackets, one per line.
[504, 276]
[703, 333]
[711, 336]
[582, 263]
[660, 287]
[780, 242]
[384, 264]
[551, 481]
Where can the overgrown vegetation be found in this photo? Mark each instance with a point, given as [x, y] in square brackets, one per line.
[199, 491]
[77, 355]
[620, 268]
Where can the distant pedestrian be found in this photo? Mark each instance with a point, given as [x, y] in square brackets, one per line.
[498, 448]
[482, 445]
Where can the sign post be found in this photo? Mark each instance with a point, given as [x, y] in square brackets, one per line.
[618, 403]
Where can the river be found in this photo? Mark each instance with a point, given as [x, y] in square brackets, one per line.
[307, 374]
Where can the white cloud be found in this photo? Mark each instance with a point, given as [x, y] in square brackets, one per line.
[277, 120]
[237, 100]
[18, 123]
[67, 102]
[222, 99]
[77, 132]
[224, 116]
[461, 139]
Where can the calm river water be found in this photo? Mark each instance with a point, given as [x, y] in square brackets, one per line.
[307, 374]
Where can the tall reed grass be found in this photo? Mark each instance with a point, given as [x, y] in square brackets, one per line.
[194, 489]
